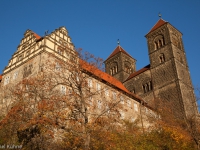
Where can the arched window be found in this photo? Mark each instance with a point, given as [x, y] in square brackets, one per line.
[113, 68]
[159, 42]
[147, 86]
[162, 58]
[127, 67]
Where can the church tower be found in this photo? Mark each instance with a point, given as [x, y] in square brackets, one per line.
[120, 64]
[169, 69]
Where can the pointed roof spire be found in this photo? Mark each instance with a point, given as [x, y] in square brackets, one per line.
[158, 24]
[117, 50]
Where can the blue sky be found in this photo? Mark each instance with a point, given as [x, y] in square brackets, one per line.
[95, 25]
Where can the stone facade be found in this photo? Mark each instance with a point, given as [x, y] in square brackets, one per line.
[167, 78]
[33, 53]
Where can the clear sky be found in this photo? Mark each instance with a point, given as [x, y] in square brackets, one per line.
[95, 25]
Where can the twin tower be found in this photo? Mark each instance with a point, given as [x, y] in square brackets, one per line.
[165, 79]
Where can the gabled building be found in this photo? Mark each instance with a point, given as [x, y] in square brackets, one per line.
[166, 78]
[33, 54]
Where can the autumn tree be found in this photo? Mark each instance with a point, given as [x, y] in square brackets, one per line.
[61, 106]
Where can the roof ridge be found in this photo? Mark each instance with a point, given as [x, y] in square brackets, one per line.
[117, 50]
[108, 78]
[36, 35]
[138, 72]
[159, 23]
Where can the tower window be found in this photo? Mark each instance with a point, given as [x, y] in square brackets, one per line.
[162, 58]
[159, 42]
[113, 68]
[127, 67]
[147, 87]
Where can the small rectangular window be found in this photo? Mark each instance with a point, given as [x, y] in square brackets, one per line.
[98, 86]
[106, 92]
[90, 101]
[122, 114]
[57, 67]
[122, 100]
[90, 82]
[99, 104]
[7, 79]
[107, 108]
[114, 96]
[128, 103]
[135, 107]
[15, 75]
[63, 89]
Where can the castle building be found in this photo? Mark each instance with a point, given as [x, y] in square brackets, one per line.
[166, 78]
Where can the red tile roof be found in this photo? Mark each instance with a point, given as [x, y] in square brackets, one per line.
[36, 36]
[138, 72]
[157, 25]
[106, 77]
[117, 50]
